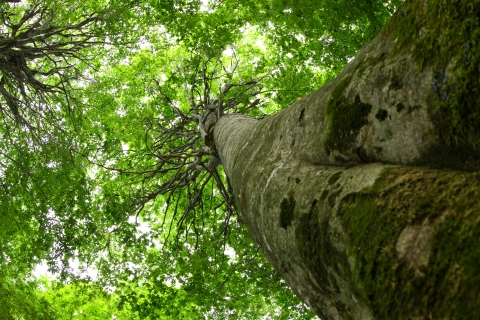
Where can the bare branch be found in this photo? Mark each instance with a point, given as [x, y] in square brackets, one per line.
[39, 60]
[182, 159]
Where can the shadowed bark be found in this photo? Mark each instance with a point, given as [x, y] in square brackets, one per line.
[365, 195]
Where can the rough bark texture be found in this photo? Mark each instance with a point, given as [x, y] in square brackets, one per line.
[348, 193]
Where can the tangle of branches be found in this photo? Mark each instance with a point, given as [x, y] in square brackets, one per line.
[186, 160]
[39, 58]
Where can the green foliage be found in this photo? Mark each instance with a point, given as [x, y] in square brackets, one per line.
[18, 299]
[79, 176]
[327, 32]
[79, 300]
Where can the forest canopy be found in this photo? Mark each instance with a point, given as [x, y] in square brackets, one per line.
[104, 174]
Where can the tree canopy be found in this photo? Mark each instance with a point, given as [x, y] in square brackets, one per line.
[103, 167]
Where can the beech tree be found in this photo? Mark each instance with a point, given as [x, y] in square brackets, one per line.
[349, 203]
[362, 195]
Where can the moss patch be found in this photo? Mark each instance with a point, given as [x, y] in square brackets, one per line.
[440, 34]
[449, 287]
[287, 212]
[346, 119]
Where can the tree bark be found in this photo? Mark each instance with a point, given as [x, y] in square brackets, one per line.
[365, 195]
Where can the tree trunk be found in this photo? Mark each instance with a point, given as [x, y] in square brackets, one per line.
[346, 192]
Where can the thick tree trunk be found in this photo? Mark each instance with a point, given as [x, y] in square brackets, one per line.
[339, 190]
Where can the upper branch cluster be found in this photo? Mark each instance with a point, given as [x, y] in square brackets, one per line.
[211, 93]
[39, 56]
[179, 160]
[186, 160]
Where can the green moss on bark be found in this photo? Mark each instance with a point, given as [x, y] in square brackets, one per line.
[448, 287]
[445, 36]
[346, 119]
